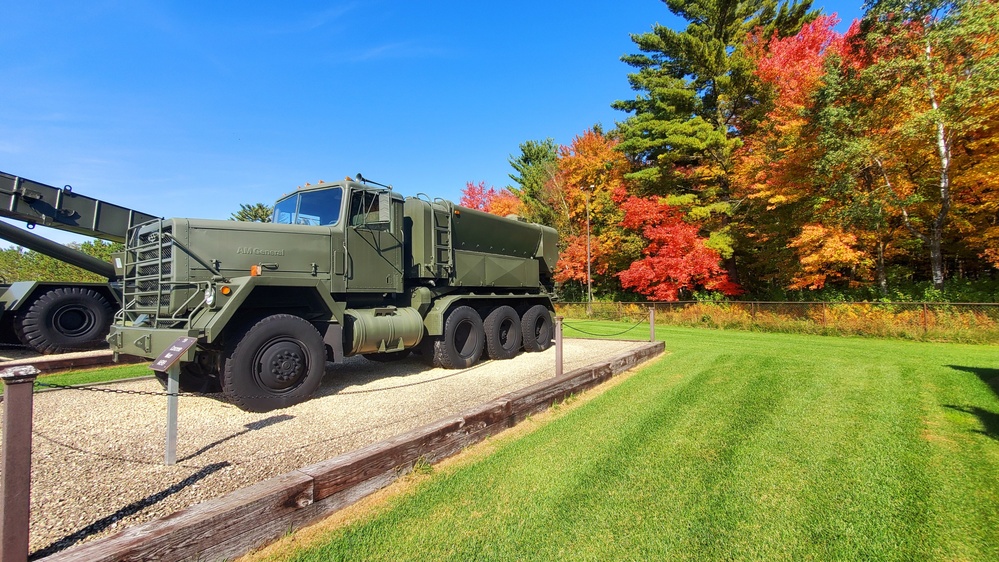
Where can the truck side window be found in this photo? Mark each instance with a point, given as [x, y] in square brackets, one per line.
[364, 209]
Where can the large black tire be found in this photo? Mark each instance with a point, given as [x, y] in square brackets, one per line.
[537, 328]
[278, 362]
[503, 333]
[463, 340]
[65, 319]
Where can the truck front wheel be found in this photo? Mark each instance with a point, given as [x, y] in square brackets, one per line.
[278, 362]
[64, 319]
[463, 340]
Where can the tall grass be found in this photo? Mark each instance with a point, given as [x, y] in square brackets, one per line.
[737, 445]
[912, 321]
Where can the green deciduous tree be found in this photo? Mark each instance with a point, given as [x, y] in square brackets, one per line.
[917, 88]
[17, 264]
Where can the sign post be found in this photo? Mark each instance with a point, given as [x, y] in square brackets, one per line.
[173, 389]
[169, 363]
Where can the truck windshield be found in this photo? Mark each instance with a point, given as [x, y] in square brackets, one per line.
[317, 208]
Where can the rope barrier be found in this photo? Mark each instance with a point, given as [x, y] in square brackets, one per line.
[222, 395]
[640, 322]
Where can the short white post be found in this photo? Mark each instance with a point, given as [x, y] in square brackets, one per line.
[652, 323]
[558, 346]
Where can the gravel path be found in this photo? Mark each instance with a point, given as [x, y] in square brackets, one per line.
[97, 463]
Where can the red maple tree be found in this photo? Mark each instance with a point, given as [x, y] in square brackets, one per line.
[676, 257]
[501, 202]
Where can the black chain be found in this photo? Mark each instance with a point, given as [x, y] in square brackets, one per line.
[125, 391]
[640, 322]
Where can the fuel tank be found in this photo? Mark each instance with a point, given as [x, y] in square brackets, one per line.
[376, 330]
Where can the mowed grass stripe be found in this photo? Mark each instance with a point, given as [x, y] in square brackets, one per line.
[735, 446]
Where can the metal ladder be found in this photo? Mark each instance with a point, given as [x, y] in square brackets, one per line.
[443, 247]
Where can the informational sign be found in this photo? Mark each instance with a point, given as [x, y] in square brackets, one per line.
[172, 354]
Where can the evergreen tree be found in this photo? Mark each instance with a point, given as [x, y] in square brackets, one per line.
[697, 96]
[536, 167]
[257, 212]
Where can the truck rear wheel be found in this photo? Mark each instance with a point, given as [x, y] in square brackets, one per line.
[278, 362]
[65, 319]
[463, 340]
[503, 333]
[537, 328]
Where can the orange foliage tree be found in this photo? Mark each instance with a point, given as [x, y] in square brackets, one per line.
[587, 187]
[501, 202]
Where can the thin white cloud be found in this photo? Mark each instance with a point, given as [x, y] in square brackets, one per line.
[313, 21]
[394, 51]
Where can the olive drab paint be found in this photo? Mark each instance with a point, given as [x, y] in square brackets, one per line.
[353, 262]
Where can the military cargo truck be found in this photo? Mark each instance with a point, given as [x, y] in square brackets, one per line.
[345, 268]
[58, 316]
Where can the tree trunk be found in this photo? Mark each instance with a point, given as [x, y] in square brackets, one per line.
[936, 260]
[879, 265]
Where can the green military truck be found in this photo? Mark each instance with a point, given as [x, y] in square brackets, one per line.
[60, 316]
[344, 268]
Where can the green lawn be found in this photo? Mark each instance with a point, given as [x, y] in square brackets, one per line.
[93, 376]
[737, 445]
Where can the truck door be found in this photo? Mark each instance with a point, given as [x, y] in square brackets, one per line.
[374, 244]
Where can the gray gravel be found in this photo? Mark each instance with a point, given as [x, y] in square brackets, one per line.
[97, 463]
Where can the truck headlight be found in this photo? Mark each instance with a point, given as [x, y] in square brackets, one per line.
[210, 296]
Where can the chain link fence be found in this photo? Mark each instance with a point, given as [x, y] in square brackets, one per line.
[949, 322]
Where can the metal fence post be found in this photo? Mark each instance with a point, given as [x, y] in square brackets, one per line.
[558, 346]
[15, 486]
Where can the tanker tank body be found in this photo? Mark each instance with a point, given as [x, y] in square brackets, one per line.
[470, 248]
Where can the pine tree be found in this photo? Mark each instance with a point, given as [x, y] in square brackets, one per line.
[697, 97]
[257, 212]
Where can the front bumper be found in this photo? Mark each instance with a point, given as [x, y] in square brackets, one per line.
[148, 342]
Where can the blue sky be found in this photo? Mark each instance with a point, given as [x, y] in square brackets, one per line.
[192, 108]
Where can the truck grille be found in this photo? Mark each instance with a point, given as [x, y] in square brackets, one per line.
[149, 281]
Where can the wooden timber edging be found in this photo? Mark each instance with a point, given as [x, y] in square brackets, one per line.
[67, 361]
[232, 525]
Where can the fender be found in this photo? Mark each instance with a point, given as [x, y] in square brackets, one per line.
[214, 321]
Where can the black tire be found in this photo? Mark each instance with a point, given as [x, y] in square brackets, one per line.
[278, 362]
[503, 333]
[387, 357]
[463, 340]
[65, 319]
[537, 328]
